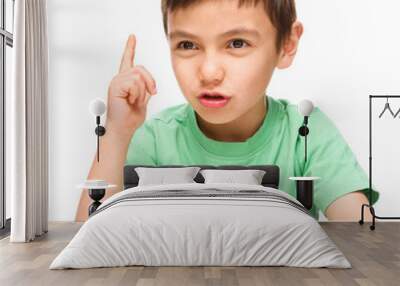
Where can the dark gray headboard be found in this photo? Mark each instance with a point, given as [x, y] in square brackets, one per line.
[270, 179]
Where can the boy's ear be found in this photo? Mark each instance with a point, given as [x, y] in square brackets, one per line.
[289, 49]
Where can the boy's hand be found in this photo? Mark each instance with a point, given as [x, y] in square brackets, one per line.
[129, 93]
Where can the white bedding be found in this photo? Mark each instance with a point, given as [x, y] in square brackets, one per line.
[187, 230]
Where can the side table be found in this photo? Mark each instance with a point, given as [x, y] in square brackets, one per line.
[304, 190]
[97, 190]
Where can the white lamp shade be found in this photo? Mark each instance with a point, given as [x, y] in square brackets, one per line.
[305, 107]
[97, 107]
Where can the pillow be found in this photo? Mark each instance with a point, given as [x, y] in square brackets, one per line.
[166, 175]
[248, 176]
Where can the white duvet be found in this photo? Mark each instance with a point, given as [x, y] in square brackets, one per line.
[184, 230]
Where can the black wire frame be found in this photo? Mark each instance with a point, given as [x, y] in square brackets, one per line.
[371, 208]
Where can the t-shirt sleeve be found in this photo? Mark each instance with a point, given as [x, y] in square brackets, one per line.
[330, 157]
[142, 147]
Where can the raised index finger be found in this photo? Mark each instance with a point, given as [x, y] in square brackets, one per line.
[129, 54]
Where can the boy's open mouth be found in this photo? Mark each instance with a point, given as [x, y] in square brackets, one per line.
[214, 100]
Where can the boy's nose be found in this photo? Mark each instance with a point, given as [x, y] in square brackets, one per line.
[211, 73]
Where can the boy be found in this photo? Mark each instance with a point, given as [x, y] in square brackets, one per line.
[223, 55]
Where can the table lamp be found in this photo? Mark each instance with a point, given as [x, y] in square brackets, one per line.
[305, 108]
[97, 107]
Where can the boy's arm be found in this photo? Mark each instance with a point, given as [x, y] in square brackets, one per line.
[348, 208]
[128, 95]
[114, 148]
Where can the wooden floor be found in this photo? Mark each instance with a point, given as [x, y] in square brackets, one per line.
[374, 255]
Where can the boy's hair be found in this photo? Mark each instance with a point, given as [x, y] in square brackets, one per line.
[282, 14]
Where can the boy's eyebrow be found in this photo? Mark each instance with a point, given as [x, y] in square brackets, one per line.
[184, 34]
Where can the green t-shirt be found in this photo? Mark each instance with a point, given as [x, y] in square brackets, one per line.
[172, 136]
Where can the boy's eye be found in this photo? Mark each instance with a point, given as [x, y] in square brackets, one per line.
[237, 43]
[186, 45]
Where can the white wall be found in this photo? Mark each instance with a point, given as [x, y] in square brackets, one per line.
[350, 49]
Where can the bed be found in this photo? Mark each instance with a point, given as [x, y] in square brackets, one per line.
[201, 224]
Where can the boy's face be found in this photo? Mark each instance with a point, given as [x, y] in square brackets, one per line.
[238, 65]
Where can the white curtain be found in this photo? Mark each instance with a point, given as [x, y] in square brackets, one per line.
[29, 122]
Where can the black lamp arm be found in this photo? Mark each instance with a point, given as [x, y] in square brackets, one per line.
[100, 131]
